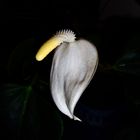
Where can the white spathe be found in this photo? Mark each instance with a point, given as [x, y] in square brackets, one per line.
[73, 67]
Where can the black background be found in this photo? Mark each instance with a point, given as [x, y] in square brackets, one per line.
[95, 21]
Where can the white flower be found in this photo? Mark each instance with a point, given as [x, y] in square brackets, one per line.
[73, 67]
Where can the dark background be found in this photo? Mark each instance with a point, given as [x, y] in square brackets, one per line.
[106, 108]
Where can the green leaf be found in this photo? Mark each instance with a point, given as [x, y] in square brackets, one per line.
[26, 114]
[126, 134]
[129, 62]
[13, 103]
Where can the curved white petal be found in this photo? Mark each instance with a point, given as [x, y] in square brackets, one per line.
[73, 66]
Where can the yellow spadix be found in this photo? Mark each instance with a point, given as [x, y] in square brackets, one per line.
[47, 47]
[52, 43]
